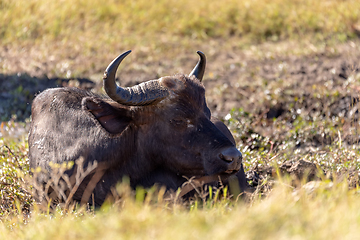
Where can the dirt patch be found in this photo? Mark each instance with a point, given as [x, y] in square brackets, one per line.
[234, 78]
[298, 170]
[276, 97]
[319, 84]
[274, 83]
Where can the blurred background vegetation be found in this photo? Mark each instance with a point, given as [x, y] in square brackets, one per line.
[144, 22]
[169, 27]
[284, 75]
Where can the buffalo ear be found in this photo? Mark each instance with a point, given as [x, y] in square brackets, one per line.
[113, 119]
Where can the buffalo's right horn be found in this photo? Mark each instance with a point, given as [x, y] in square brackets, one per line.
[142, 94]
[199, 69]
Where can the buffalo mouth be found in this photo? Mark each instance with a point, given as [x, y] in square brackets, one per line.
[208, 179]
[229, 172]
[215, 177]
[222, 176]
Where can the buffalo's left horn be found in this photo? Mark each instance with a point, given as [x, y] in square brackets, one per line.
[199, 69]
[142, 94]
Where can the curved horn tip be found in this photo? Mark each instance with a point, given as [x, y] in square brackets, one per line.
[115, 63]
[127, 52]
[199, 69]
[201, 54]
[109, 75]
[123, 55]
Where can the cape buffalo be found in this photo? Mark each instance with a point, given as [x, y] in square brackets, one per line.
[155, 132]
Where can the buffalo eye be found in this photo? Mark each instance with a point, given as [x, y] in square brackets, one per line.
[182, 123]
[178, 122]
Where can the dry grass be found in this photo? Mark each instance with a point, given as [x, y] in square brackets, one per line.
[167, 23]
[325, 213]
[261, 18]
[55, 33]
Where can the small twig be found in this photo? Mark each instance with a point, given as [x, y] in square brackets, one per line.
[6, 184]
[99, 173]
[274, 157]
[258, 119]
[193, 183]
[14, 156]
[271, 147]
[80, 176]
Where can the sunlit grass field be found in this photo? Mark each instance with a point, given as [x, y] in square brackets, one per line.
[280, 208]
[261, 19]
[165, 25]
[328, 212]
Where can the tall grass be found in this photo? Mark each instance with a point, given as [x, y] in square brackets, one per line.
[326, 213]
[141, 20]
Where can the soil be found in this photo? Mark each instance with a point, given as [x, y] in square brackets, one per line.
[233, 79]
[319, 85]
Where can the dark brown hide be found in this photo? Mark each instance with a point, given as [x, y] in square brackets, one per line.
[158, 143]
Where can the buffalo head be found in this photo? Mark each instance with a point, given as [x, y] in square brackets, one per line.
[157, 128]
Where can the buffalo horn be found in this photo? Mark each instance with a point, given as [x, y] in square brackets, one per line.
[199, 69]
[142, 94]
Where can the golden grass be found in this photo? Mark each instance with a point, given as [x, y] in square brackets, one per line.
[93, 27]
[143, 22]
[329, 212]
[90, 33]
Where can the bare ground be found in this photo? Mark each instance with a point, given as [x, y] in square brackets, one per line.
[272, 85]
[261, 79]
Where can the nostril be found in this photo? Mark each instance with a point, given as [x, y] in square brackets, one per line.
[226, 157]
[230, 154]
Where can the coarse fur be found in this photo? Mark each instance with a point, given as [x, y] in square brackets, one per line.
[158, 143]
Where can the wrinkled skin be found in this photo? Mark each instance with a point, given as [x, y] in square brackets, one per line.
[158, 143]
